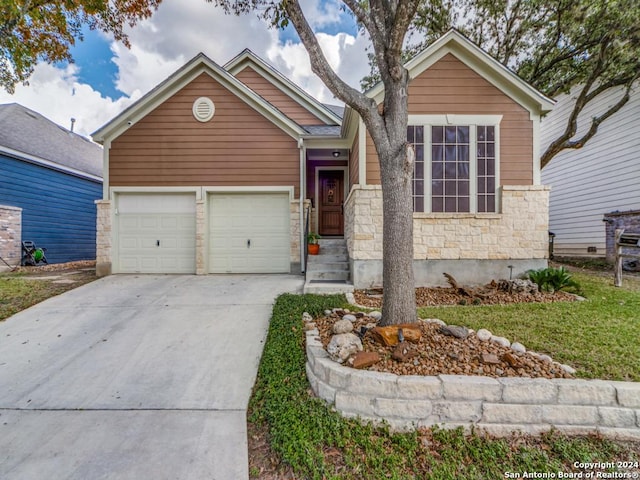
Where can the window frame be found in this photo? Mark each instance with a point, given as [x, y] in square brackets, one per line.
[472, 121]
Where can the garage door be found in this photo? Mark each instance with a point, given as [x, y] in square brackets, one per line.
[249, 233]
[156, 233]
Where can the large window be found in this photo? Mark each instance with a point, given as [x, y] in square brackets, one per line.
[455, 168]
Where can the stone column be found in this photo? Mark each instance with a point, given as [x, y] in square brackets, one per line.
[10, 236]
[103, 238]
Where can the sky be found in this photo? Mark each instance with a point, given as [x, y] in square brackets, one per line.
[106, 77]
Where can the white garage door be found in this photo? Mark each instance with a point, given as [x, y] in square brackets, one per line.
[249, 233]
[156, 233]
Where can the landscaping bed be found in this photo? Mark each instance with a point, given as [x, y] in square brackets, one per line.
[437, 353]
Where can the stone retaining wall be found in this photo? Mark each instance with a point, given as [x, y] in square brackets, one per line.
[498, 406]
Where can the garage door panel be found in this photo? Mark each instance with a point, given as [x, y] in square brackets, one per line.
[156, 233]
[262, 218]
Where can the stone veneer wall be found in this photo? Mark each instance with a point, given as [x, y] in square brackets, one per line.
[498, 406]
[10, 235]
[104, 233]
[103, 238]
[629, 221]
[518, 235]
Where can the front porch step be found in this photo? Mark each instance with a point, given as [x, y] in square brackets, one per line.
[329, 272]
[328, 275]
[319, 287]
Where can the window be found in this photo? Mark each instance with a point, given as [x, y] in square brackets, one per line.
[455, 167]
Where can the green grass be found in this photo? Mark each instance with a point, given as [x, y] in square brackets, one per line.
[598, 337]
[317, 443]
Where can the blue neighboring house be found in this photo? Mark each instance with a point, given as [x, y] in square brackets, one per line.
[55, 176]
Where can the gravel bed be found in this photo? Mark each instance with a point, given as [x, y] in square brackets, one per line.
[440, 354]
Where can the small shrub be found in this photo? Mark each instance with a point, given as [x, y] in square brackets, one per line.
[553, 279]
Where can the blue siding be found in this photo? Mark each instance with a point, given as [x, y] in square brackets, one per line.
[58, 209]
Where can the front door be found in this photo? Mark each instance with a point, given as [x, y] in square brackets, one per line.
[330, 211]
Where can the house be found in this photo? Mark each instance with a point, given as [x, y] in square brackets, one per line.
[50, 179]
[599, 180]
[218, 170]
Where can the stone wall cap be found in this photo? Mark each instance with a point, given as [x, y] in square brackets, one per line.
[526, 188]
[10, 207]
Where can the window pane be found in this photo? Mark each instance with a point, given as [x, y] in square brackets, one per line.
[450, 170]
[491, 167]
[450, 188]
[482, 133]
[437, 153]
[491, 203]
[482, 188]
[463, 134]
[482, 150]
[437, 170]
[419, 153]
[450, 153]
[491, 150]
[418, 169]
[419, 135]
[437, 204]
[418, 187]
[450, 134]
[463, 153]
[491, 184]
[481, 207]
[437, 134]
[450, 204]
[437, 187]
[463, 204]
[463, 170]
[481, 167]
[491, 135]
[418, 204]
[463, 187]
[410, 134]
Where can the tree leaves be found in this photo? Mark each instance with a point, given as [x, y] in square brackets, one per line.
[33, 30]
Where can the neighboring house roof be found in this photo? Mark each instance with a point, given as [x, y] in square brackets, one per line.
[27, 135]
[195, 67]
[247, 58]
[482, 63]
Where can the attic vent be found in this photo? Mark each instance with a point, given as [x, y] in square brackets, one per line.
[203, 109]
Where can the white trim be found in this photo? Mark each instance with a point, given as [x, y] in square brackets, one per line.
[105, 170]
[455, 119]
[159, 189]
[345, 187]
[537, 139]
[251, 189]
[47, 163]
[362, 152]
[302, 189]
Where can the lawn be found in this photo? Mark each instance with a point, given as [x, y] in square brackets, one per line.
[599, 337]
[308, 439]
[19, 291]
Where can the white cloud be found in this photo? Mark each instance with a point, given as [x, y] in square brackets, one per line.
[177, 32]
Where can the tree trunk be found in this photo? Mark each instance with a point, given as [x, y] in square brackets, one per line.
[399, 298]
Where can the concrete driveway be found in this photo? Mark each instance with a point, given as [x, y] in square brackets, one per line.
[134, 377]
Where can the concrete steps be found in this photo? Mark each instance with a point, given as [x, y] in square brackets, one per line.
[328, 272]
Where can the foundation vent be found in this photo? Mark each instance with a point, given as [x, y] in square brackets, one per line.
[203, 109]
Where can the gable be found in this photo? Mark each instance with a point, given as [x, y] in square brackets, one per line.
[238, 146]
[277, 97]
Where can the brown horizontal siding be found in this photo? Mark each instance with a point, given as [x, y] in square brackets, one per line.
[238, 147]
[277, 97]
[373, 166]
[354, 162]
[449, 86]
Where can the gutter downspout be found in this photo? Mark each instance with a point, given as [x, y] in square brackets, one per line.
[302, 149]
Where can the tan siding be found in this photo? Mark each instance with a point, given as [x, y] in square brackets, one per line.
[354, 162]
[277, 98]
[449, 86]
[373, 166]
[239, 147]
